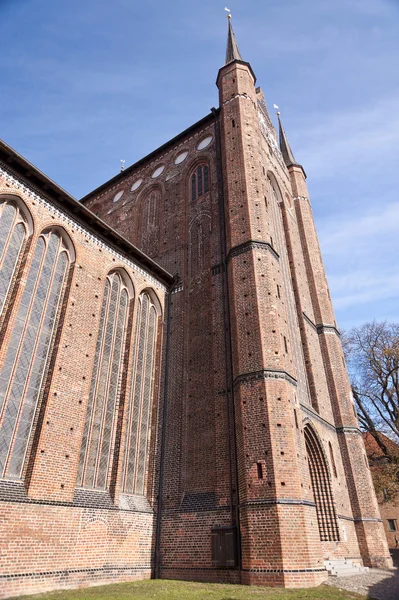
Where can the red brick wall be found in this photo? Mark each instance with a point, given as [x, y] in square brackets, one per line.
[253, 358]
[52, 535]
[269, 242]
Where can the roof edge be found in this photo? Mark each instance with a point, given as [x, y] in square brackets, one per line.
[120, 176]
[72, 207]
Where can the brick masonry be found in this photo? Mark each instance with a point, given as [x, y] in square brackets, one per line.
[249, 359]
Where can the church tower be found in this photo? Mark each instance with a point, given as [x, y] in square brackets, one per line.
[257, 463]
[298, 439]
[174, 400]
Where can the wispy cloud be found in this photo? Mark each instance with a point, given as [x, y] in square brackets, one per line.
[345, 139]
[363, 287]
[352, 234]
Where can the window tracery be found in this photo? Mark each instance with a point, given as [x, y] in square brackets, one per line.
[99, 429]
[199, 182]
[13, 233]
[140, 400]
[22, 374]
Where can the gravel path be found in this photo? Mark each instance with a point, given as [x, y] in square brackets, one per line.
[376, 583]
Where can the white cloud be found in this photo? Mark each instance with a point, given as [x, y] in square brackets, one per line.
[341, 140]
[360, 252]
[352, 233]
[363, 287]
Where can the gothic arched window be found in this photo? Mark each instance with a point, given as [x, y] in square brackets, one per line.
[199, 182]
[13, 233]
[99, 429]
[22, 374]
[140, 399]
[321, 484]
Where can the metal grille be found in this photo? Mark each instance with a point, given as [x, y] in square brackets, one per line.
[12, 236]
[22, 374]
[98, 432]
[321, 484]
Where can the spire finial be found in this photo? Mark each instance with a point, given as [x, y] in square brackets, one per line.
[232, 51]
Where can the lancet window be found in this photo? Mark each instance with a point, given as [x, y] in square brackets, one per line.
[22, 375]
[99, 430]
[140, 401]
[321, 484]
[13, 233]
[199, 182]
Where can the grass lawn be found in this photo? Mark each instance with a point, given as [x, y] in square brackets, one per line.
[181, 590]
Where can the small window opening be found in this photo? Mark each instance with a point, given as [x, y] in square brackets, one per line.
[386, 494]
[392, 524]
[260, 470]
[296, 419]
[233, 123]
[271, 241]
[278, 291]
[285, 345]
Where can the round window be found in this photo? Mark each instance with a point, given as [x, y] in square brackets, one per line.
[118, 196]
[205, 142]
[136, 185]
[181, 157]
[158, 171]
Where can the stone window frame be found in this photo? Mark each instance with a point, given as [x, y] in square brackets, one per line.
[35, 322]
[22, 217]
[140, 401]
[103, 460]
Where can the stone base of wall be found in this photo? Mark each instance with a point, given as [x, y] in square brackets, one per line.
[46, 547]
[285, 578]
[234, 576]
[35, 583]
[202, 575]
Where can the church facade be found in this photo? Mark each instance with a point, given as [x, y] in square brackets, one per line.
[174, 400]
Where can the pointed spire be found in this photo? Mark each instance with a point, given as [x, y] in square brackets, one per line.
[285, 148]
[232, 51]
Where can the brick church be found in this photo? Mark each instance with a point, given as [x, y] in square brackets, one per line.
[174, 400]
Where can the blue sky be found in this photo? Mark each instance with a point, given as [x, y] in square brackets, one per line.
[88, 82]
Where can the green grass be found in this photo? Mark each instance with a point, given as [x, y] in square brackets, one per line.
[181, 590]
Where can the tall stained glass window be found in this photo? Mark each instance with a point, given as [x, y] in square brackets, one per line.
[28, 354]
[135, 460]
[13, 233]
[99, 430]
